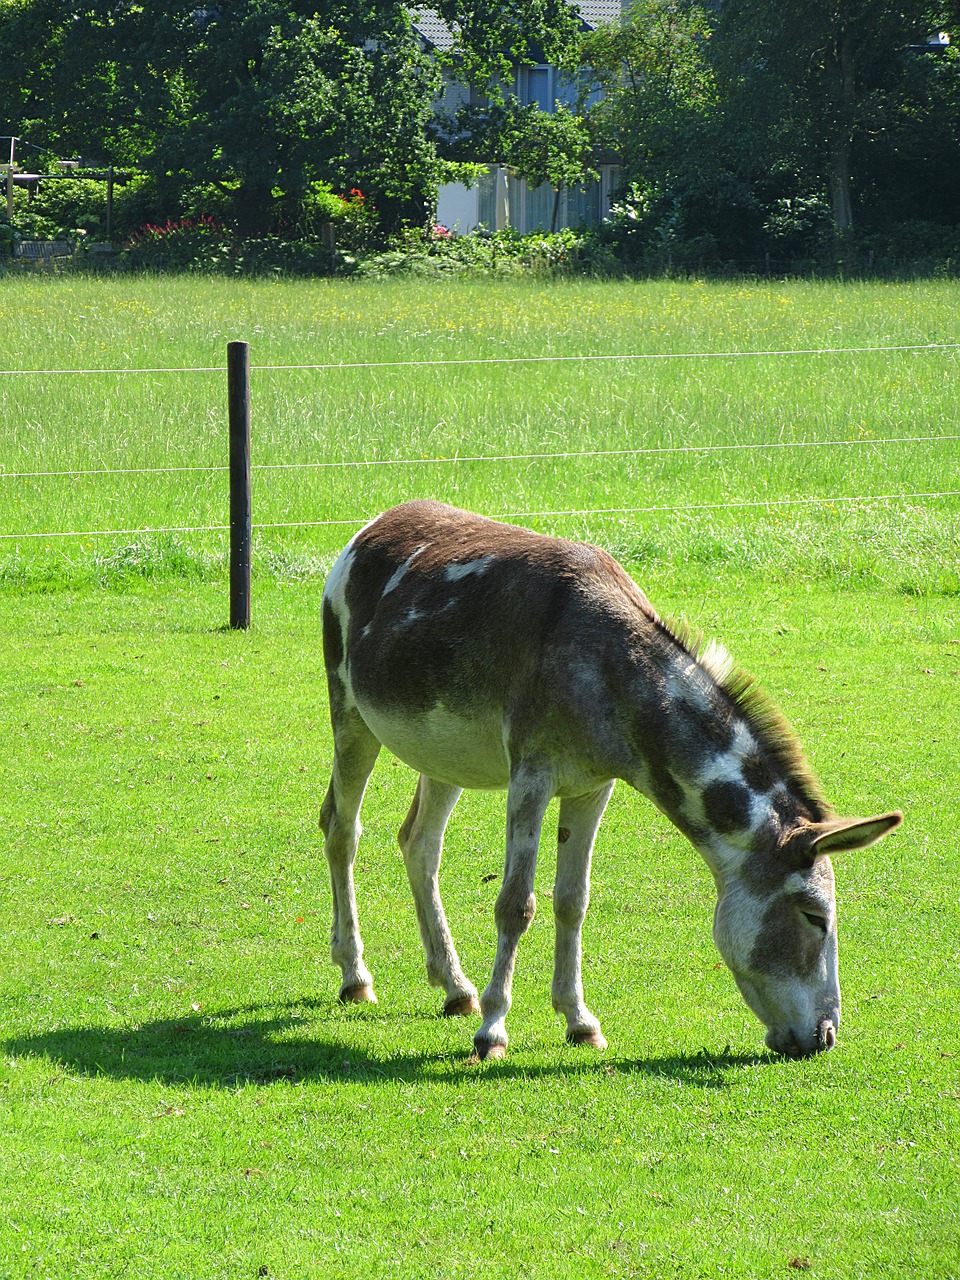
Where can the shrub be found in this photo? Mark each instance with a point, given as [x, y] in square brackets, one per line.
[73, 206]
[186, 244]
[204, 244]
[436, 252]
[351, 218]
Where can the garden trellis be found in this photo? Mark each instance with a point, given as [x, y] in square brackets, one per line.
[241, 524]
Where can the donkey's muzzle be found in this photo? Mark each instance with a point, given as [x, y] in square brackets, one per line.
[790, 1045]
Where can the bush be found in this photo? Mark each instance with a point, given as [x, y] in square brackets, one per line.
[204, 244]
[437, 252]
[349, 221]
[186, 244]
[915, 247]
[73, 207]
[68, 208]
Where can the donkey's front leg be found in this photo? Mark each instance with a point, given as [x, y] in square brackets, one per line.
[528, 795]
[579, 820]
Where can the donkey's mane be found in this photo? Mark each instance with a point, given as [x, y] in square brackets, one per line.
[769, 725]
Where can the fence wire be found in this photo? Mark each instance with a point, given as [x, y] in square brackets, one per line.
[358, 521]
[458, 459]
[499, 458]
[457, 362]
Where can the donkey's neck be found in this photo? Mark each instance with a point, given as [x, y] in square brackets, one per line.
[715, 755]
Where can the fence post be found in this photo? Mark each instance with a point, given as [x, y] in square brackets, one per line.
[241, 509]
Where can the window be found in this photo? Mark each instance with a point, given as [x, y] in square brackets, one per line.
[535, 88]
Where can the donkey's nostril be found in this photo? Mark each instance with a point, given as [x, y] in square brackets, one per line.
[826, 1034]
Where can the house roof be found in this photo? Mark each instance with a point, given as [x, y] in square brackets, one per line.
[432, 28]
[593, 13]
[596, 12]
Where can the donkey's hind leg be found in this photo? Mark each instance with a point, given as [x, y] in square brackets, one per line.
[355, 753]
[579, 820]
[421, 842]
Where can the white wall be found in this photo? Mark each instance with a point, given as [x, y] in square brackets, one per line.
[458, 207]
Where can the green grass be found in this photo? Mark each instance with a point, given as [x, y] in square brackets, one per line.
[180, 1093]
[710, 504]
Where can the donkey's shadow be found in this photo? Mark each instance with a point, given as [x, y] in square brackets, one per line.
[259, 1045]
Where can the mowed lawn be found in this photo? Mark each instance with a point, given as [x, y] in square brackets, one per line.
[180, 1093]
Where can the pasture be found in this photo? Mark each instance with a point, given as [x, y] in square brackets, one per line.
[180, 1093]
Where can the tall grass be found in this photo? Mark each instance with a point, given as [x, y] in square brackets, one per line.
[332, 446]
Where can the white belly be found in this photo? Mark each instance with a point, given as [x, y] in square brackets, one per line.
[464, 752]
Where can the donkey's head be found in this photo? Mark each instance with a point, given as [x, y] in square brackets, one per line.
[776, 927]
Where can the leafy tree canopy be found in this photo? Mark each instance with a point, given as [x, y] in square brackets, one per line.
[263, 97]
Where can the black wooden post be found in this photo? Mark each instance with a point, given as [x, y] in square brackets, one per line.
[241, 509]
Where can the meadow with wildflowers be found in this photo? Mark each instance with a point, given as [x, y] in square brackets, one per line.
[180, 1093]
[800, 461]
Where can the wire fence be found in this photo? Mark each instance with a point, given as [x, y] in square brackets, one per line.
[580, 358]
[457, 459]
[502, 458]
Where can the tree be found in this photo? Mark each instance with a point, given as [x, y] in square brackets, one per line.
[658, 109]
[261, 97]
[653, 75]
[490, 37]
[826, 74]
[551, 147]
[312, 97]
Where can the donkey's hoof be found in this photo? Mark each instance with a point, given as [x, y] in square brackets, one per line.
[486, 1051]
[591, 1036]
[362, 993]
[461, 1006]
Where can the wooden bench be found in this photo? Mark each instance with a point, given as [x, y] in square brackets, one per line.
[43, 250]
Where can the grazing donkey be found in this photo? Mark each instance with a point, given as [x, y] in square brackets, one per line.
[485, 655]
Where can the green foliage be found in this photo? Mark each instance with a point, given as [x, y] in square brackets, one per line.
[437, 253]
[205, 245]
[491, 38]
[183, 244]
[265, 100]
[660, 113]
[551, 147]
[735, 121]
[656, 81]
[820, 82]
[348, 222]
[73, 204]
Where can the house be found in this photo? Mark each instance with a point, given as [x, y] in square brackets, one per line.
[499, 199]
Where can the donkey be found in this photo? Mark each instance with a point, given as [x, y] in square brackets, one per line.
[486, 655]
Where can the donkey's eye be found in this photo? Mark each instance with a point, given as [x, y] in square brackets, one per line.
[818, 922]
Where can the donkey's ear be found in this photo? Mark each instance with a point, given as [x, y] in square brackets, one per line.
[842, 834]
